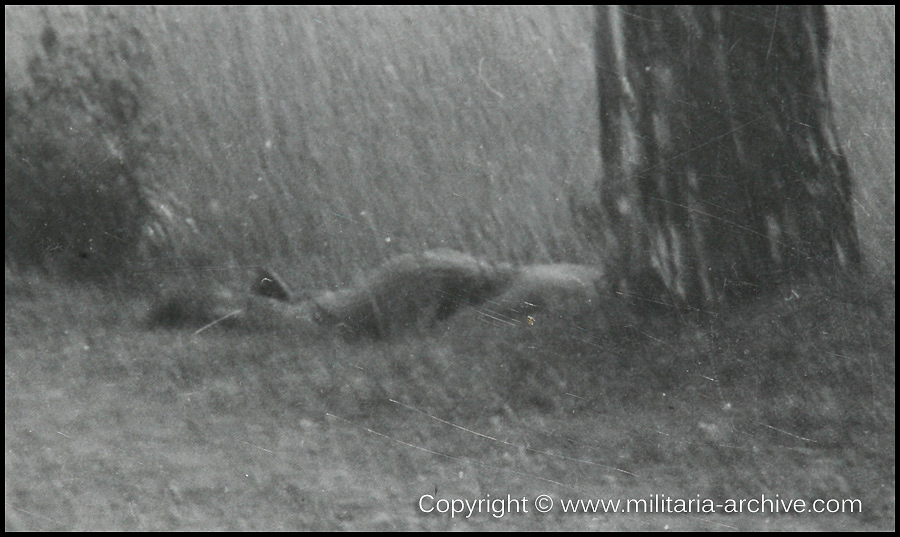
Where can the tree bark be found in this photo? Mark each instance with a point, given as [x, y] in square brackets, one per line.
[722, 173]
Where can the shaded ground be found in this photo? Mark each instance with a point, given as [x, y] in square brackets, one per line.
[110, 426]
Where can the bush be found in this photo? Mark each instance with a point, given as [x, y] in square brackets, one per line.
[75, 146]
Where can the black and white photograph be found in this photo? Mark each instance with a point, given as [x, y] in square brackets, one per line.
[450, 268]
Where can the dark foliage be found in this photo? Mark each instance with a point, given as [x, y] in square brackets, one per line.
[75, 145]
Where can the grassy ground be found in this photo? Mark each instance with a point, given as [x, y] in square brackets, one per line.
[110, 425]
[399, 130]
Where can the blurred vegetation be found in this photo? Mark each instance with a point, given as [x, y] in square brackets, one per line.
[863, 90]
[321, 141]
[76, 137]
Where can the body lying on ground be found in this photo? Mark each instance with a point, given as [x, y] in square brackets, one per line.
[407, 293]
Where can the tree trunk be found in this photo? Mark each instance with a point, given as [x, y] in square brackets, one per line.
[722, 171]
